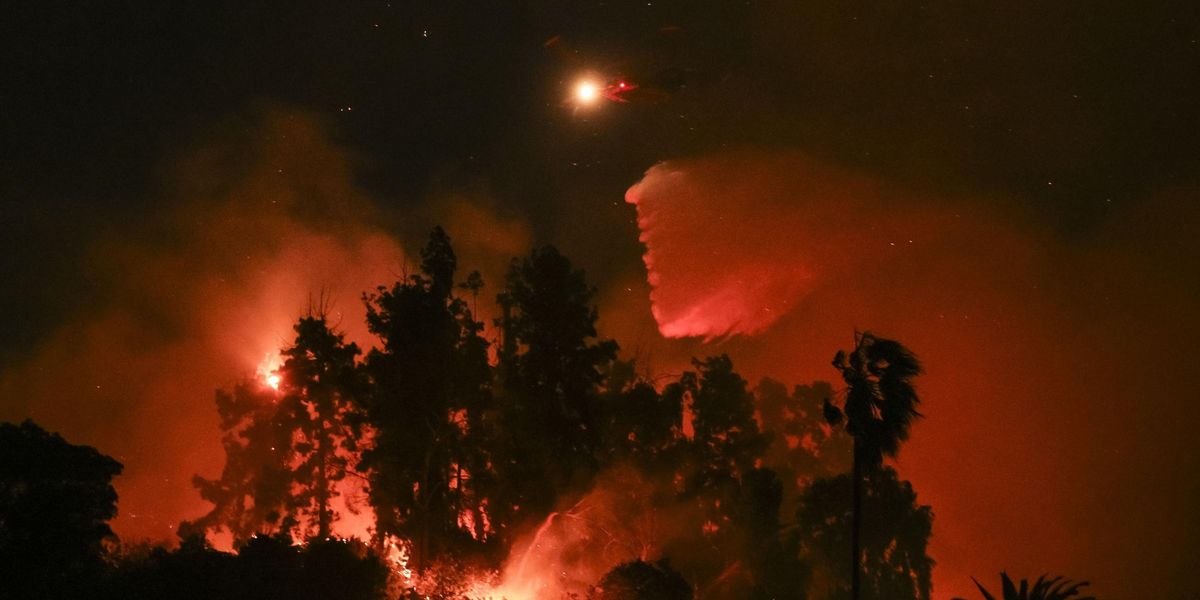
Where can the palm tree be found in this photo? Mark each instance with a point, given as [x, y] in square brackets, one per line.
[880, 406]
[1056, 588]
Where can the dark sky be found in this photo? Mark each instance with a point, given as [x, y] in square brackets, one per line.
[999, 98]
[1050, 120]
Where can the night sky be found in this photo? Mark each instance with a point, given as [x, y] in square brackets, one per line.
[1009, 188]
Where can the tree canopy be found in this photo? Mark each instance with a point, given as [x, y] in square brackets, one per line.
[56, 499]
[895, 537]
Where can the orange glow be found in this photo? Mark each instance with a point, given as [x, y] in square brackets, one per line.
[991, 307]
[268, 370]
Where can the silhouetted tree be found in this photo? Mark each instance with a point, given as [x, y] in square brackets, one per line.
[473, 284]
[551, 369]
[286, 450]
[341, 570]
[770, 558]
[879, 408]
[641, 580]
[431, 386]
[727, 440]
[266, 568]
[881, 401]
[894, 543]
[719, 475]
[322, 389]
[56, 500]
[192, 572]
[640, 426]
[1055, 588]
[253, 493]
[804, 447]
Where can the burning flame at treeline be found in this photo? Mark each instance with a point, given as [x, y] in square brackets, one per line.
[625, 510]
[614, 514]
[356, 520]
[565, 555]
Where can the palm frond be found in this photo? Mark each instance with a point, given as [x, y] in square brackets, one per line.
[881, 402]
[1008, 589]
[982, 590]
[1053, 588]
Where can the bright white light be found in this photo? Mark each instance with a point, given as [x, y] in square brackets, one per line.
[587, 92]
[273, 380]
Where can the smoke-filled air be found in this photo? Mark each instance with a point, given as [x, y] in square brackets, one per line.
[599, 301]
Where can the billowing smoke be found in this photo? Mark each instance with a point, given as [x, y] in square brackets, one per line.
[1058, 392]
[734, 245]
[1048, 357]
[265, 224]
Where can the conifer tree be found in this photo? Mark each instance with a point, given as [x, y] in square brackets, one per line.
[552, 367]
[286, 450]
[252, 493]
[322, 387]
[430, 387]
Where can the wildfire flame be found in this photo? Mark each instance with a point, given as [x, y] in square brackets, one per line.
[397, 556]
[268, 370]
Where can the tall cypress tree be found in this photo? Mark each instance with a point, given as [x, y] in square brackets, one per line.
[322, 387]
[552, 365]
[431, 384]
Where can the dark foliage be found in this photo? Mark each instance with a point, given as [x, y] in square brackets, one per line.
[266, 568]
[253, 493]
[895, 537]
[56, 499]
[322, 389]
[879, 409]
[639, 426]
[740, 501]
[1053, 588]
[727, 441]
[804, 446]
[460, 455]
[551, 369]
[286, 449]
[640, 580]
[881, 402]
[431, 386]
[771, 559]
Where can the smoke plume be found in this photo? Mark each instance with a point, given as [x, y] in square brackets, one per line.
[265, 224]
[1048, 358]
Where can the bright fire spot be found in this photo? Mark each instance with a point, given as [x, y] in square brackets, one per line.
[268, 370]
[587, 92]
[396, 553]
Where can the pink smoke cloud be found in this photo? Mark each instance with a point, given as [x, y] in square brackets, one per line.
[1034, 347]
